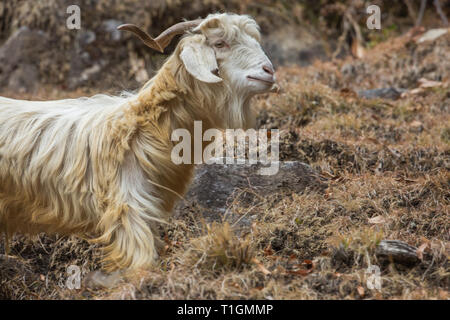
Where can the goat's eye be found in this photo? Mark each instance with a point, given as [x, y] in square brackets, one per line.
[220, 44]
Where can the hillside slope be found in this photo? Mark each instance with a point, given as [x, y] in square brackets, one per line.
[381, 166]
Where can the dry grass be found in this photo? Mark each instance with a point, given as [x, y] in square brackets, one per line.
[387, 168]
[220, 249]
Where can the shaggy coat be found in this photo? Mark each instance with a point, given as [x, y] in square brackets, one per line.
[101, 167]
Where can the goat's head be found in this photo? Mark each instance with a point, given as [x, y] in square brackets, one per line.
[220, 48]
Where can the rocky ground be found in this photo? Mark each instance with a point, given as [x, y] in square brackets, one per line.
[364, 181]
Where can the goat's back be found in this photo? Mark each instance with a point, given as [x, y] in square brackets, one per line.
[45, 160]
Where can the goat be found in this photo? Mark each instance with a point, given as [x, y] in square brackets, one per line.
[100, 167]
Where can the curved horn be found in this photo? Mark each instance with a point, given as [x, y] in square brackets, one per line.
[163, 40]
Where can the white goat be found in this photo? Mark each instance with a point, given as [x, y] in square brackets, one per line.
[100, 167]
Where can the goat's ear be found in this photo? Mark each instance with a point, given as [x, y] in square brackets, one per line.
[200, 61]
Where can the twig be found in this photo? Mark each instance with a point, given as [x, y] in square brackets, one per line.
[412, 12]
[355, 26]
[342, 37]
[428, 269]
[42, 245]
[441, 13]
[423, 5]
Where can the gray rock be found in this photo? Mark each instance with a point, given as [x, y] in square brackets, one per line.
[432, 34]
[99, 279]
[383, 93]
[292, 46]
[86, 37]
[20, 58]
[216, 186]
[24, 79]
[348, 70]
[110, 26]
[397, 251]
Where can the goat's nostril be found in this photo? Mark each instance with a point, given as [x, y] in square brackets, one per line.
[268, 69]
[215, 72]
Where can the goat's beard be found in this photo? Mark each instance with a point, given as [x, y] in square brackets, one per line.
[217, 104]
[240, 114]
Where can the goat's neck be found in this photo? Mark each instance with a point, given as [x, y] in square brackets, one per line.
[168, 102]
[173, 99]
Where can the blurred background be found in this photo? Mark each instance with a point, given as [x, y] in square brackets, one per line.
[38, 52]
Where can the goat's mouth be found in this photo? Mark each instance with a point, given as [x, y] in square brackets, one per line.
[269, 82]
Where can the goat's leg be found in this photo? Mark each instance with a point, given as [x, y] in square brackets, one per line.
[130, 241]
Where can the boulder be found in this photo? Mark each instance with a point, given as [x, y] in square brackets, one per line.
[19, 59]
[215, 187]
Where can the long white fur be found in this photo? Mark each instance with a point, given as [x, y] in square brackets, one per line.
[100, 167]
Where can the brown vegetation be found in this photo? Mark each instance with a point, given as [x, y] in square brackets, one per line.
[386, 164]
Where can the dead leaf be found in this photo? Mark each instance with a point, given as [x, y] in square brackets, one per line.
[432, 34]
[360, 291]
[279, 270]
[443, 294]
[373, 140]
[234, 284]
[378, 296]
[327, 174]
[325, 253]
[357, 49]
[300, 272]
[425, 83]
[166, 239]
[416, 124]
[416, 32]
[394, 152]
[420, 250]
[404, 179]
[374, 116]
[260, 266]
[348, 93]
[307, 262]
[416, 91]
[377, 220]
[268, 250]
